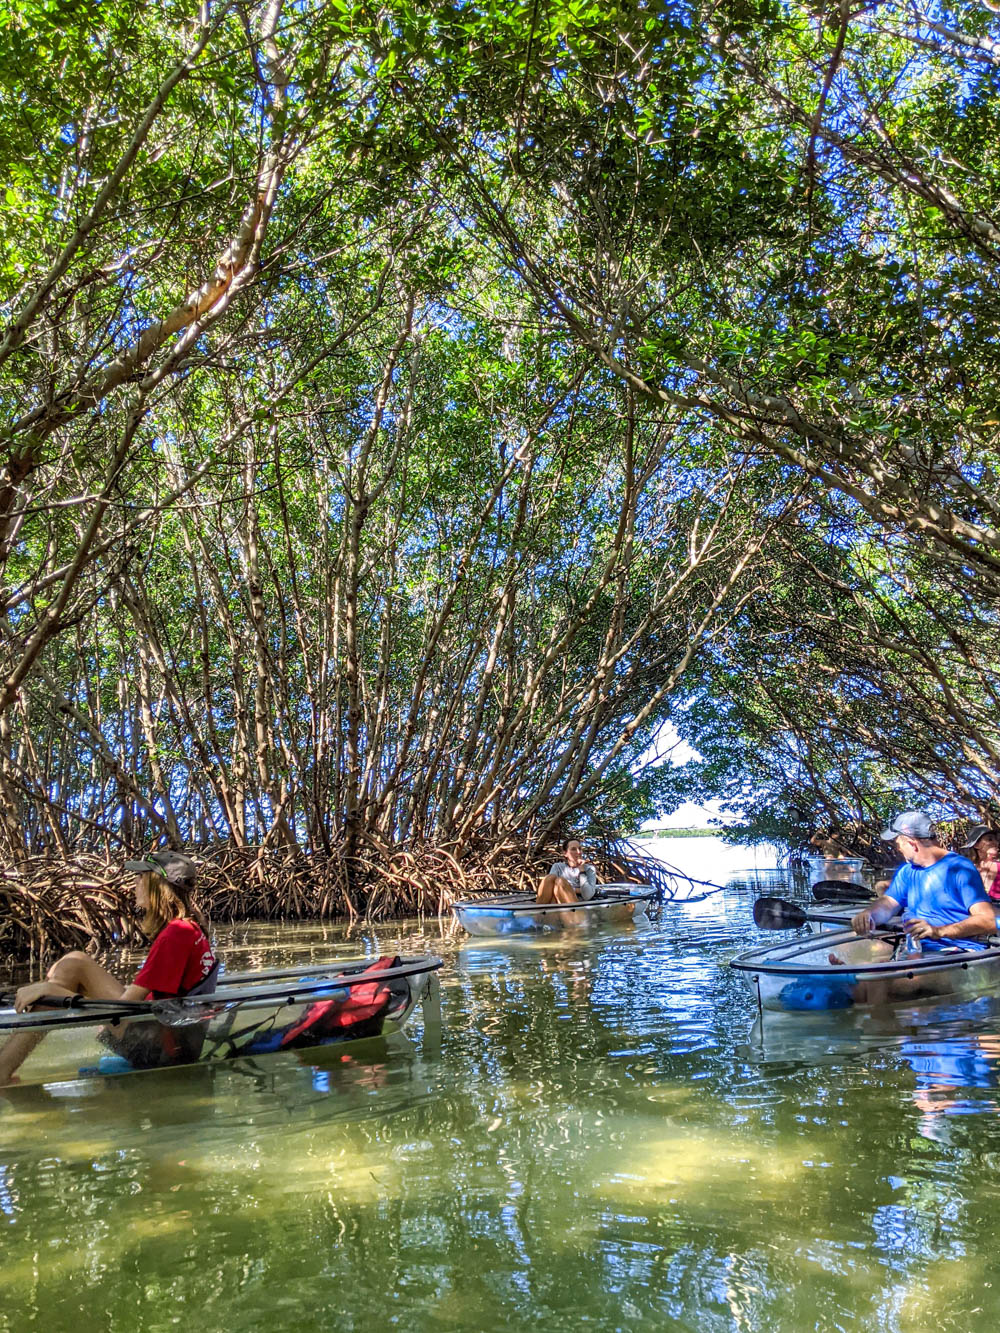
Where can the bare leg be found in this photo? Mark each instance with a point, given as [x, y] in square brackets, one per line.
[82, 975]
[563, 891]
[74, 974]
[555, 889]
[546, 890]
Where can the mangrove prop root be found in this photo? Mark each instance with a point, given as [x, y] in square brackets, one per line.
[50, 904]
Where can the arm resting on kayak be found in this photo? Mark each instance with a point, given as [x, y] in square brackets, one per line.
[980, 921]
[881, 911]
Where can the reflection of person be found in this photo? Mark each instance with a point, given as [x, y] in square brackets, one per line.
[571, 880]
[180, 961]
[943, 1068]
[983, 849]
[940, 893]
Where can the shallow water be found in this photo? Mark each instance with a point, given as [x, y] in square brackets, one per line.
[599, 1140]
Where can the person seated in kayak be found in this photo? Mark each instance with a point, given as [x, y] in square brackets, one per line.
[571, 880]
[938, 893]
[983, 849]
[829, 844]
[180, 961]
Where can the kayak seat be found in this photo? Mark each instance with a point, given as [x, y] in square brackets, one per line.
[147, 1044]
[350, 1013]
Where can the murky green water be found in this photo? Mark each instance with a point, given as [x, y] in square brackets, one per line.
[595, 1143]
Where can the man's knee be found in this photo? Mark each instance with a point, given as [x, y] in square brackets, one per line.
[69, 965]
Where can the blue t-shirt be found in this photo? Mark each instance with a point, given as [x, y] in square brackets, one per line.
[940, 894]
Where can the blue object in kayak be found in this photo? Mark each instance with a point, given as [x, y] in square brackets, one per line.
[339, 993]
[270, 1041]
[513, 926]
[818, 993]
[109, 1064]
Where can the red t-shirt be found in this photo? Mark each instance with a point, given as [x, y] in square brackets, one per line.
[181, 956]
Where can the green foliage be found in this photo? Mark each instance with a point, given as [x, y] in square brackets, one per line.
[572, 368]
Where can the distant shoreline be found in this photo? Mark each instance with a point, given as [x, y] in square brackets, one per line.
[678, 833]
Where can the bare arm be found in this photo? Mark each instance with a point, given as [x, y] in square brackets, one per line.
[28, 995]
[980, 921]
[881, 911]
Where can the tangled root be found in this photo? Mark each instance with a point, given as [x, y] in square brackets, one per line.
[49, 905]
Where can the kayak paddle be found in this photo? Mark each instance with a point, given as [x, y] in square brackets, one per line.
[840, 891]
[161, 1009]
[780, 914]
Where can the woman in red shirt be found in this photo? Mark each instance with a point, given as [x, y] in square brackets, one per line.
[180, 961]
[983, 848]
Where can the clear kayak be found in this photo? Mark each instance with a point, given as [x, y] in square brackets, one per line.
[837, 969]
[249, 1014]
[842, 869]
[520, 914]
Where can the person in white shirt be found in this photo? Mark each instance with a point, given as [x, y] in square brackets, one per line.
[571, 880]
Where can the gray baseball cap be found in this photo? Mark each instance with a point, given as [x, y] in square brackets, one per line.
[912, 824]
[975, 833]
[173, 866]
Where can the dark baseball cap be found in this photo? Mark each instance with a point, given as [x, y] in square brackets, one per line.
[975, 833]
[173, 866]
[912, 824]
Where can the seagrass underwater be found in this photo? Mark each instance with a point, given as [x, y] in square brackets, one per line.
[607, 1090]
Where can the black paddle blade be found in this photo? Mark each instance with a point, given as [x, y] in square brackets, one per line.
[778, 914]
[839, 891]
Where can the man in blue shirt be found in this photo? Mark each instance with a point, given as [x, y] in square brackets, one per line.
[939, 893]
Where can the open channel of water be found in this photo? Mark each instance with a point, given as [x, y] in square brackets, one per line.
[599, 1140]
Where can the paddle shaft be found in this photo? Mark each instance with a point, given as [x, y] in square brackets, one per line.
[827, 918]
[780, 914]
[79, 1002]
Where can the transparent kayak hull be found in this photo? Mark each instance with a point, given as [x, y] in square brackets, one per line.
[250, 1014]
[844, 911]
[800, 976]
[520, 914]
[845, 868]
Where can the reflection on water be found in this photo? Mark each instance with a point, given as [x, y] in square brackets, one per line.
[710, 858]
[601, 1140]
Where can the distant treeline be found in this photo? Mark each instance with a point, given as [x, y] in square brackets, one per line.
[681, 833]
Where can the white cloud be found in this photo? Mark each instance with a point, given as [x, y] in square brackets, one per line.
[667, 747]
[688, 815]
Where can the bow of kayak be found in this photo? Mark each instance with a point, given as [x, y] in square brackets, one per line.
[520, 914]
[839, 970]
